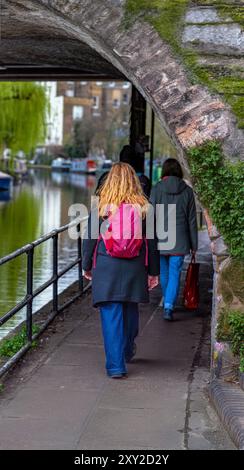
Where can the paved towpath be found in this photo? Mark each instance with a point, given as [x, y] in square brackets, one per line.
[60, 397]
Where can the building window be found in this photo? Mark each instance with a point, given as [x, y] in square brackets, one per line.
[111, 84]
[78, 112]
[83, 83]
[95, 102]
[126, 85]
[125, 98]
[70, 93]
[99, 83]
[116, 103]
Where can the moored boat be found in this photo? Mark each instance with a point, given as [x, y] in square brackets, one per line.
[61, 164]
[5, 181]
[84, 165]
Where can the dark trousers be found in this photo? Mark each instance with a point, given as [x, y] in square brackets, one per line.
[120, 325]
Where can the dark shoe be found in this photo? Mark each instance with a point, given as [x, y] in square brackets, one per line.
[168, 315]
[129, 359]
[118, 376]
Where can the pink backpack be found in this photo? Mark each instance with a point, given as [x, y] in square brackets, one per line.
[123, 237]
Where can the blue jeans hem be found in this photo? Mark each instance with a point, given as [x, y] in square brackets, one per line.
[112, 372]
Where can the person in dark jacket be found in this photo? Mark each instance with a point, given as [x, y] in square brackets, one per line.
[172, 189]
[120, 284]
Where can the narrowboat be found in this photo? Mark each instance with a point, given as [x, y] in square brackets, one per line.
[5, 181]
[85, 165]
[61, 164]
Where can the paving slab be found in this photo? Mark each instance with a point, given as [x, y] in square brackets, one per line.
[157, 428]
[74, 378]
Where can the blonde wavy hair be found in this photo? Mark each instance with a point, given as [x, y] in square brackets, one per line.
[122, 185]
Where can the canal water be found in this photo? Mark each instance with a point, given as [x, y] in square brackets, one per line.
[38, 205]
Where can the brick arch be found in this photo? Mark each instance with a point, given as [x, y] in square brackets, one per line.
[190, 114]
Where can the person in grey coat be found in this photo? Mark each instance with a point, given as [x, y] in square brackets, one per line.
[120, 284]
[172, 189]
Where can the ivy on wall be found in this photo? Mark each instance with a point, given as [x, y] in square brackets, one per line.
[231, 329]
[220, 186]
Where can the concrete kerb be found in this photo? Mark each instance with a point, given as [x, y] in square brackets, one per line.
[228, 400]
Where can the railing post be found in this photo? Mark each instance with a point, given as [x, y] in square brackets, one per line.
[152, 146]
[30, 257]
[201, 219]
[55, 272]
[80, 258]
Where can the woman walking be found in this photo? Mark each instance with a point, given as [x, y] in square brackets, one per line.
[172, 189]
[122, 270]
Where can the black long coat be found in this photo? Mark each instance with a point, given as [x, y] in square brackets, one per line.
[119, 280]
[173, 190]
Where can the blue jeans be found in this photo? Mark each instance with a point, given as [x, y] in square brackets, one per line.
[170, 271]
[120, 325]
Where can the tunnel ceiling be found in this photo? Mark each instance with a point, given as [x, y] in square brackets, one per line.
[30, 48]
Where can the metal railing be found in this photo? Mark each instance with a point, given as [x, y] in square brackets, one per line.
[200, 219]
[31, 294]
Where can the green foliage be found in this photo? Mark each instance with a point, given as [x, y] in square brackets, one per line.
[23, 108]
[10, 346]
[167, 17]
[230, 11]
[231, 329]
[220, 186]
[223, 328]
[81, 140]
[226, 82]
[227, 9]
[237, 105]
[233, 271]
[236, 322]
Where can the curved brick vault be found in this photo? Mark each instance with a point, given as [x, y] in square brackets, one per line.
[89, 37]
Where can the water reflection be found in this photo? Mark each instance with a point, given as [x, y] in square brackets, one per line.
[38, 205]
[5, 196]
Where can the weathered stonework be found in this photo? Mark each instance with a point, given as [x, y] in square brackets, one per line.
[91, 36]
[205, 28]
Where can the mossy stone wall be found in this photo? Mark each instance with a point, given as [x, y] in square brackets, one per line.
[208, 35]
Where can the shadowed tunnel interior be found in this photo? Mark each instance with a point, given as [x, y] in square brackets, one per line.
[34, 47]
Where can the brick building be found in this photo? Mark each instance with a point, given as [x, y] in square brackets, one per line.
[104, 106]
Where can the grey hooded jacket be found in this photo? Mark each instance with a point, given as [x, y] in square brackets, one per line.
[174, 190]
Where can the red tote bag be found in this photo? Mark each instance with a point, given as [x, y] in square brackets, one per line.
[191, 289]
